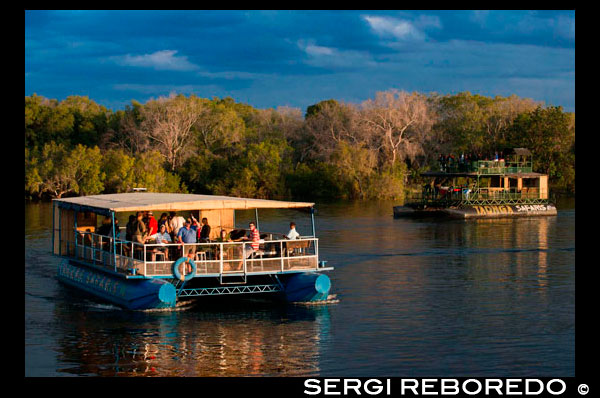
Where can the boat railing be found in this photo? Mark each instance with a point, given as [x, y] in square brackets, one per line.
[465, 194]
[211, 258]
[489, 167]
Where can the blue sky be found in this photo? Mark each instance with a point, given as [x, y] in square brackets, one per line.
[297, 58]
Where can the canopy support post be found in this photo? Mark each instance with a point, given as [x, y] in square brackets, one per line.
[256, 218]
[114, 240]
[312, 219]
[60, 232]
[75, 234]
[53, 226]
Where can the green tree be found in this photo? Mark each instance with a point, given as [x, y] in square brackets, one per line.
[315, 109]
[354, 164]
[119, 171]
[68, 172]
[149, 173]
[319, 180]
[46, 121]
[33, 180]
[90, 120]
[85, 164]
[550, 135]
[259, 171]
[218, 127]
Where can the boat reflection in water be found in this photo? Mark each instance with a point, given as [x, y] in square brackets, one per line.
[226, 338]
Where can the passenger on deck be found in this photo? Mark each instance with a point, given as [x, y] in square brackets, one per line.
[187, 234]
[176, 223]
[204, 233]
[152, 224]
[224, 237]
[145, 218]
[106, 227]
[292, 234]
[164, 220]
[466, 192]
[255, 237]
[140, 233]
[163, 238]
[129, 228]
[117, 230]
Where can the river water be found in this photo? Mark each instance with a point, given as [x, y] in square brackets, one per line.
[416, 298]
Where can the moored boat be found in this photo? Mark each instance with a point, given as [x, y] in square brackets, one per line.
[483, 189]
[154, 275]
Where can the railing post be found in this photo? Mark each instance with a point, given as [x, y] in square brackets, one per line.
[312, 218]
[317, 251]
[244, 255]
[114, 240]
[221, 258]
[75, 235]
[60, 235]
[281, 254]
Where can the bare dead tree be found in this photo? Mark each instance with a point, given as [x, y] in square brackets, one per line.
[130, 136]
[334, 123]
[399, 122]
[502, 112]
[168, 122]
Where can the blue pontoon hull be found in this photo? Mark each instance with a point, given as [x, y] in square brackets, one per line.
[133, 294]
[141, 294]
[307, 287]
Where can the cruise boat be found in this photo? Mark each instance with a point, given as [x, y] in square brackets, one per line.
[483, 189]
[140, 276]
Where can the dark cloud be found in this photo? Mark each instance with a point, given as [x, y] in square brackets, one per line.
[271, 58]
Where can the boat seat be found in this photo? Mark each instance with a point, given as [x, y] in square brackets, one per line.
[296, 248]
[200, 257]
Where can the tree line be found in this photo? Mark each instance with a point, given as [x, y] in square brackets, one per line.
[373, 149]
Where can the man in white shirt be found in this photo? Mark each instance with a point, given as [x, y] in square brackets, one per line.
[176, 223]
[293, 234]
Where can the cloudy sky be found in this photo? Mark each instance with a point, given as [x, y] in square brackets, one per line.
[297, 58]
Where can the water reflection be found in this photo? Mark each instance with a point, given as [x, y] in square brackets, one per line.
[254, 337]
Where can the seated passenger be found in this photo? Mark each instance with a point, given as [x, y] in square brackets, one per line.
[293, 234]
[163, 238]
[223, 237]
[129, 228]
[255, 237]
[106, 227]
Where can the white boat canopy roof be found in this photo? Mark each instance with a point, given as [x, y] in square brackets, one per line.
[141, 201]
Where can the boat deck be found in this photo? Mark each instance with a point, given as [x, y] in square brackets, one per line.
[133, 260]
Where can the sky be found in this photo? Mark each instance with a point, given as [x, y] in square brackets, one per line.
[297, 58]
